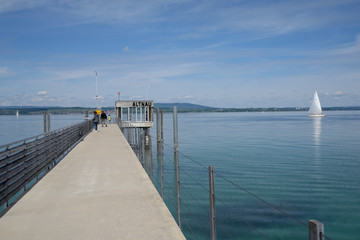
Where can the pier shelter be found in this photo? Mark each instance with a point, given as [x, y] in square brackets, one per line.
[135, 113]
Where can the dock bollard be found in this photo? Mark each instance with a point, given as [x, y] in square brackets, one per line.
[316, 230]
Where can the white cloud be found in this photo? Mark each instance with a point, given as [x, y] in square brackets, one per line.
[42, 93]
[60, 73]
[5, 71]
[260, 18]
[136, 97]
[338, 93]
[126, 49]
[16, 5]
[263, 19]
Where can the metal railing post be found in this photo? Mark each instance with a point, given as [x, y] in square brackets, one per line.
[143, 142]
[316, 230]
[157, 125]
[175, 125]
[160, 148]
[212, 204]
[162, 170]
[176, 157]
[162, 126]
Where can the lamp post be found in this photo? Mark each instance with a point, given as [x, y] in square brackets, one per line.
[96, 97]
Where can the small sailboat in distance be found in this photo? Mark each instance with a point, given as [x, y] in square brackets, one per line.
[17, 113]
[315, 108]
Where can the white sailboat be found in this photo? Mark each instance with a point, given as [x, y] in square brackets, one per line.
[17, 113]
[315, 108]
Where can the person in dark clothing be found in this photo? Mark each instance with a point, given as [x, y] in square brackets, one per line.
[103, 119]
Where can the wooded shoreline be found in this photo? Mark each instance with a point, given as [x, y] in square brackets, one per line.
[165, 107]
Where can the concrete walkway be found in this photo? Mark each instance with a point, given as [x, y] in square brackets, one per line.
[98, 191]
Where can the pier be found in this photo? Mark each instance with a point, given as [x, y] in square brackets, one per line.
[98, 191]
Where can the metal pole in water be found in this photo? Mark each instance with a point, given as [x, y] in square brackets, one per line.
[175, 122]
[137, 137]
[141, 145]
[129, 135]
[316, 230]
[162, 156]
[212, 204]
[157, 126]
[176, 156]
[44, 122]
[48, 123]
[162, 126]
[162, 170]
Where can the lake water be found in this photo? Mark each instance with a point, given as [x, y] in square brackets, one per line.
[307, 167]
[14, 128]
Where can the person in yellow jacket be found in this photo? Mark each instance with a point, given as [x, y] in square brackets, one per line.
[109, 118]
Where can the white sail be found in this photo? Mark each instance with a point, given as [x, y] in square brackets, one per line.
[315, 108]
[17, 113]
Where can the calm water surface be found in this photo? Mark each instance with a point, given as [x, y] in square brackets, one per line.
[14, 128]
[308, 167]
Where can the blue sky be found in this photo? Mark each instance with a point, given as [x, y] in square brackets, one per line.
[212, 52]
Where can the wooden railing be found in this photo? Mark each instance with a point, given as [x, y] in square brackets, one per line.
[24, 162]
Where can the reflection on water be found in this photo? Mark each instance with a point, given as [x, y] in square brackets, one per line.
[317, 137]
[317, 130]
[141, 144]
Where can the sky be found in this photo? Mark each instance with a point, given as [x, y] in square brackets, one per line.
[219, 53]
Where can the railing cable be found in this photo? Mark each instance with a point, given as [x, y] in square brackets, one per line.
[248, 192]
[189, 211]
[262, 200]
[181, 170]
[198, 203]
[244, 221]
[203, 166]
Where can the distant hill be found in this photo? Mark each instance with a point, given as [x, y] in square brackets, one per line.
[180, 106]
[166, 107]
[340, 108]
[34, 110]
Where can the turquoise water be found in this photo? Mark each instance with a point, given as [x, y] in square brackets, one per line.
[14, 128]
[307, 167]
